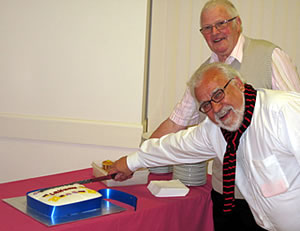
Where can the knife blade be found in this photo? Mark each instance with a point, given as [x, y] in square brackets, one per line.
[86, 181]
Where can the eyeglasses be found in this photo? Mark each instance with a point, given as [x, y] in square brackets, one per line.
[216, 97]
[219, 26]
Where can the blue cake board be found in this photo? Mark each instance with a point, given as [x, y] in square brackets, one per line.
[20, 203]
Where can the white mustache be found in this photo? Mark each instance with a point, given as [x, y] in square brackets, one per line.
[223, 112]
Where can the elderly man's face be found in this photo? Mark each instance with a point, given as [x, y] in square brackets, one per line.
[229, 112]
[221, 41]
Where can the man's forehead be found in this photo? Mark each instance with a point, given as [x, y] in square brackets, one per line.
[213, 76]
[212, 80]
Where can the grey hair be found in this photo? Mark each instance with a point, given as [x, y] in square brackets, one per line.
[230, 8]
[196, 79]
[227, 4]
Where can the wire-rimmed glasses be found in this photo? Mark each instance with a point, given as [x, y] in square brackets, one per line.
[219, 26]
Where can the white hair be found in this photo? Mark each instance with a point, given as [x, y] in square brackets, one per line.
[230, 8]
[228, 71]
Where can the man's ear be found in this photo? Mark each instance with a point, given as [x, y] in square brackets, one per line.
[239, 83]
[239, 23]
[239, 20]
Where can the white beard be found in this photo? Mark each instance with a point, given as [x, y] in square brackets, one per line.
[239, 114]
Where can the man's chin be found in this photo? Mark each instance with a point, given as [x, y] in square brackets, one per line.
[229, 126]
[233, 122]
[220, 48]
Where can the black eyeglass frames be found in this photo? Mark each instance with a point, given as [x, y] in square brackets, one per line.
[216, 97]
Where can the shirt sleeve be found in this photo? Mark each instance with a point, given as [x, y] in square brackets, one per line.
[186, 146]
[186, 111]
[289, 126]
[284, 72]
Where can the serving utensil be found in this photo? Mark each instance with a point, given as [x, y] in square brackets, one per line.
[95, 179]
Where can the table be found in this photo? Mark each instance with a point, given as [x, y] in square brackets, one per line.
[192, 212]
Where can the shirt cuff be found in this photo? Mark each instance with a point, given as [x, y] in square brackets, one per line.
[133, 161]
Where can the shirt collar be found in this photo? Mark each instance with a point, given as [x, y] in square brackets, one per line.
[237, 53]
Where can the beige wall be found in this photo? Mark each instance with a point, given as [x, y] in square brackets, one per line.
[71, 83]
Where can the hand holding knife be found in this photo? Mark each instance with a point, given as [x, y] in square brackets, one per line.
[120, 168]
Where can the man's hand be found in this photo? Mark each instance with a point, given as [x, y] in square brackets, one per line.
[120, 167]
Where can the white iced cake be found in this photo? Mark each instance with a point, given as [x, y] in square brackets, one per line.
[64, 200]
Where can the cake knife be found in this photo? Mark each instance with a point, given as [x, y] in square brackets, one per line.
[95, 179]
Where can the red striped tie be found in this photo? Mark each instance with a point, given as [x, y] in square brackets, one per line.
[233, 140]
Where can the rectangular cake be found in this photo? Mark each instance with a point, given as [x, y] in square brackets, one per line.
[64, 200]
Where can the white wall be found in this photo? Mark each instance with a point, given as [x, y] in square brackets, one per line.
[71, 83]
[25, 158]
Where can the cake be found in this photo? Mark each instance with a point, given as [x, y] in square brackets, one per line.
[64, 200]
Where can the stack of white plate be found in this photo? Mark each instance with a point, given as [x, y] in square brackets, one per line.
[191, 174]
[161, 169]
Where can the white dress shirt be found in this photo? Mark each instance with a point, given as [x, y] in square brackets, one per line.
[268, 157]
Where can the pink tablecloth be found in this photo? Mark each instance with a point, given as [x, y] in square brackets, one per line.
[190, 213]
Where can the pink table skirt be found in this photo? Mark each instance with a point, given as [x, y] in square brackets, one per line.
[190, 213]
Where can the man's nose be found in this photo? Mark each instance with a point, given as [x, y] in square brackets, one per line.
[214, 30]
[216, 107]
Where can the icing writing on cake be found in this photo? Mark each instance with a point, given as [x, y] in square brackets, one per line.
[65, 194]
[58, 191]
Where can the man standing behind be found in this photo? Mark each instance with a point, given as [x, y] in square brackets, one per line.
[261, 63]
